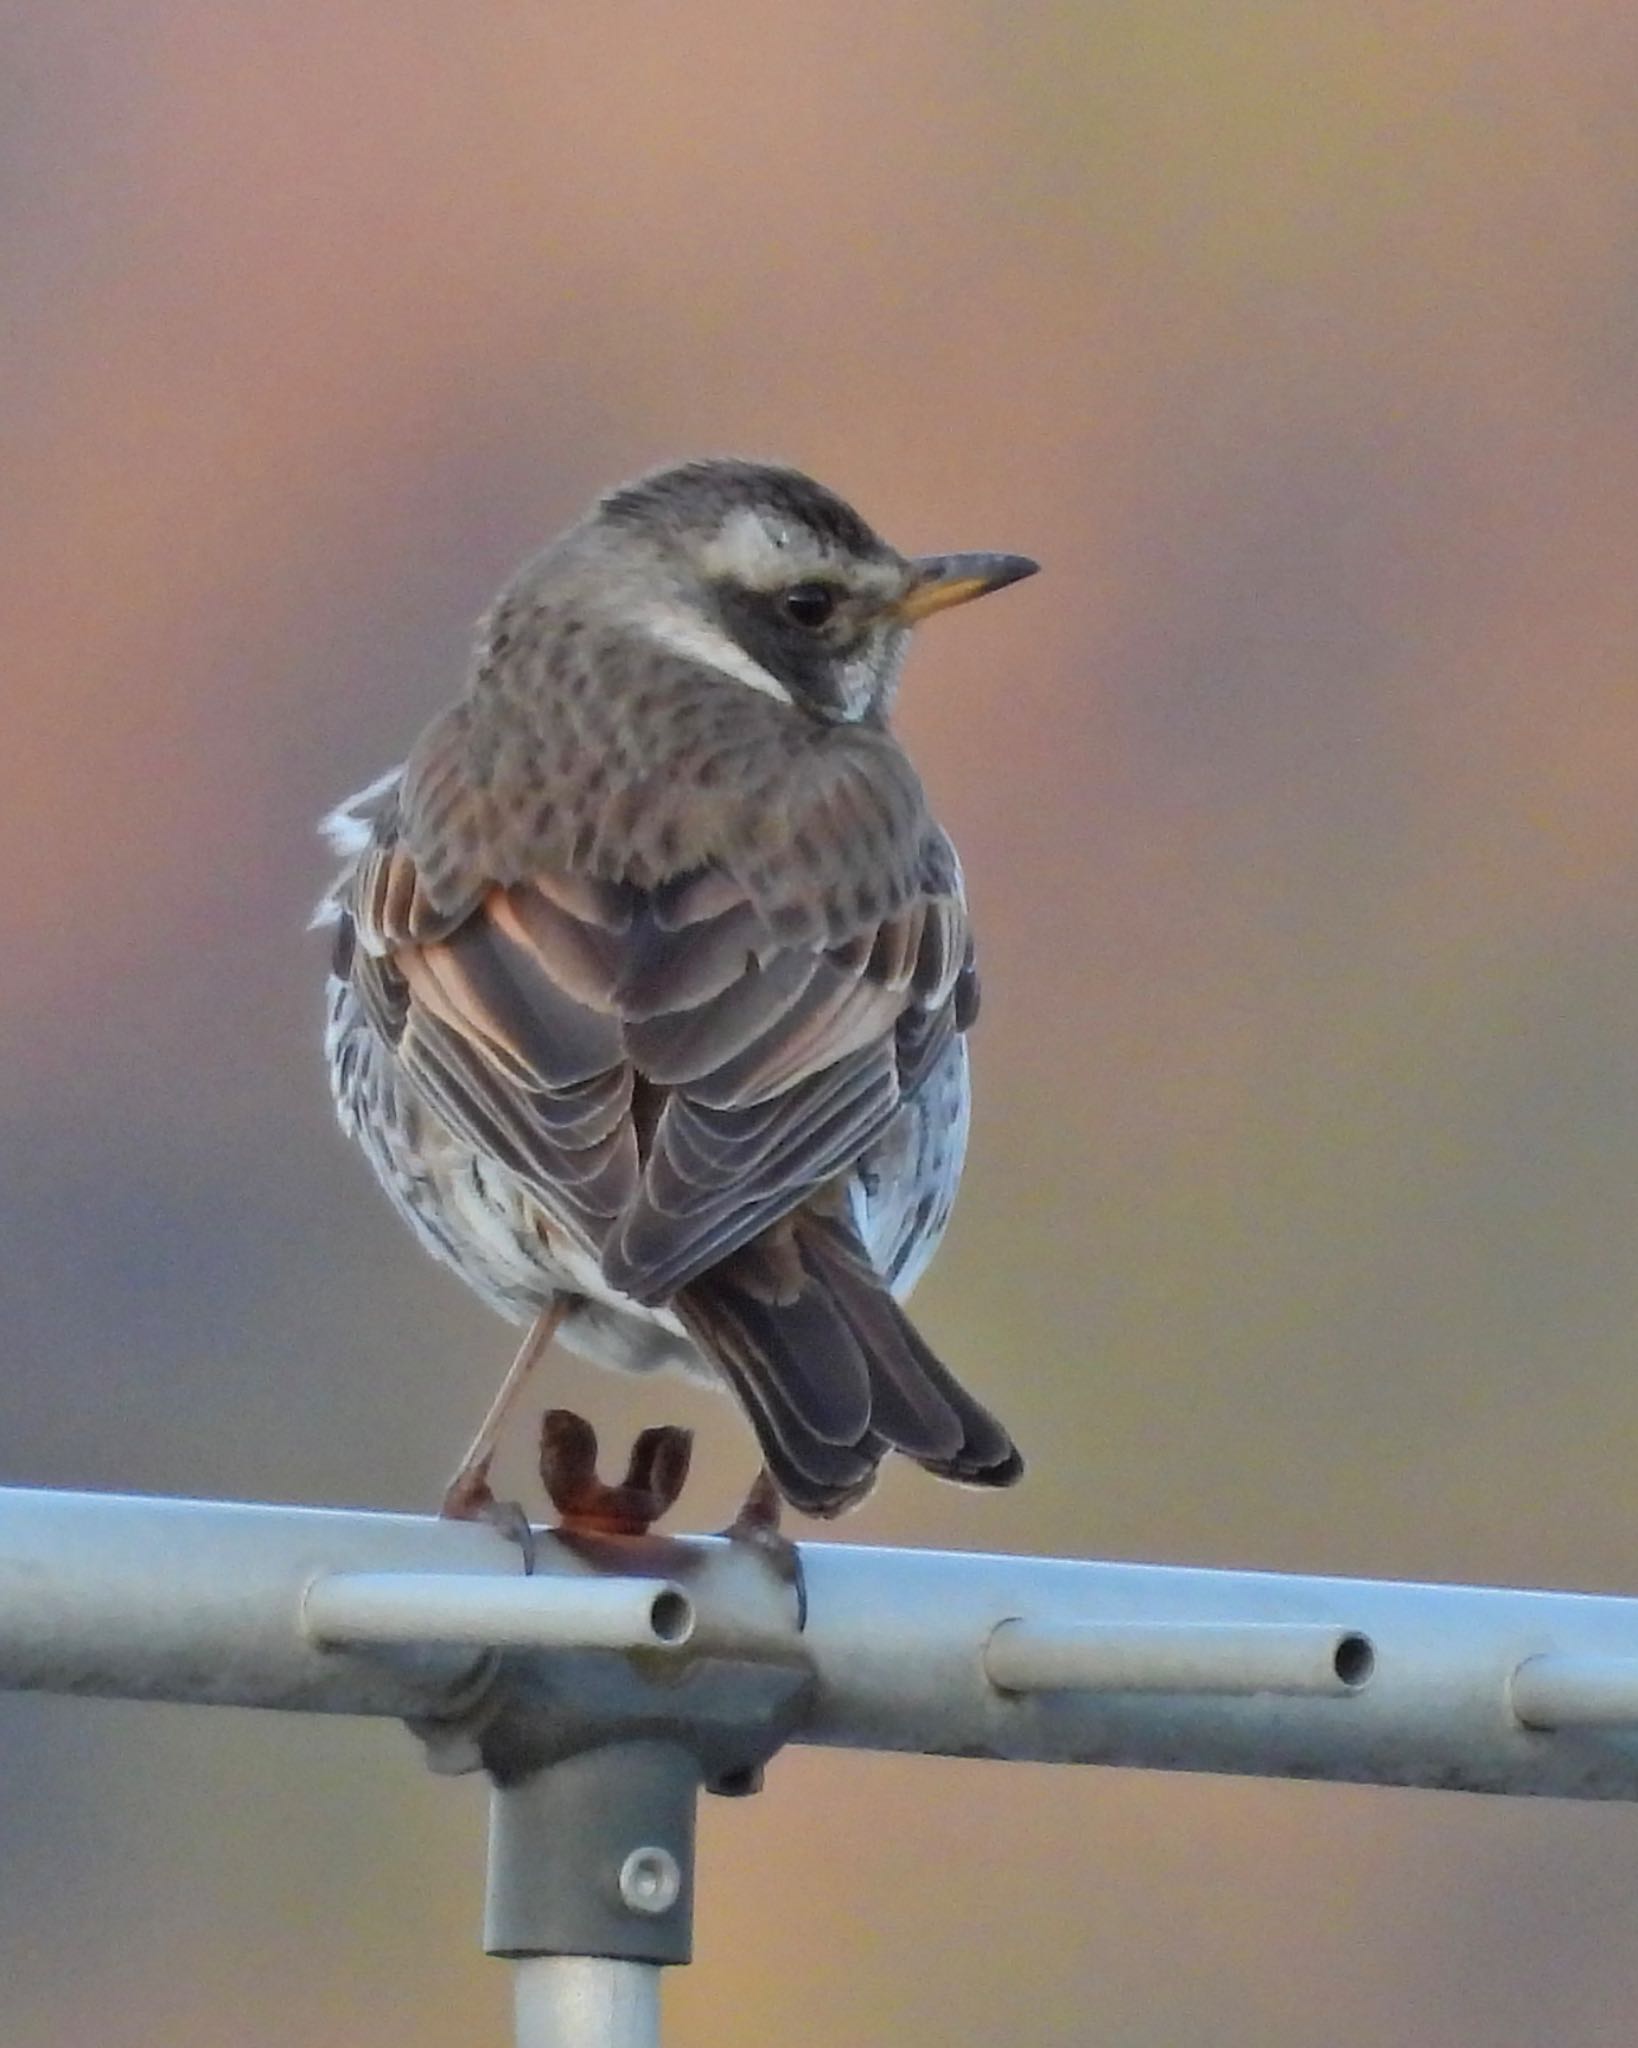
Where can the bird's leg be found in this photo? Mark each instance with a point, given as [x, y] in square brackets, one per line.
[655, 1475]
[757, 1524]
[468, 1498]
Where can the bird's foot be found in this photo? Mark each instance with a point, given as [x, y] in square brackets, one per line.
[655, 1475]
[469, 1498]
[757, 1524]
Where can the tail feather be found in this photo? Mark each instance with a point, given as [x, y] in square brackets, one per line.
[918, 1403]
[822, 1493]
[747, 1339]
[833, 1375]
[824, 1381]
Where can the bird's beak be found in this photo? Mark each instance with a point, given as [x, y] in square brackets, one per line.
[944, 580]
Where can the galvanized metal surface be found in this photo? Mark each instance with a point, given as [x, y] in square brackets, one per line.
[1558, 1692]
[201, 1601]
[595, 1856]
[1219, 1658]
[346, 1609]
[586, 2002]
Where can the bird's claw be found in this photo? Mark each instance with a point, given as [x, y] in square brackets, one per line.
[470, 1498]
[757, 1524]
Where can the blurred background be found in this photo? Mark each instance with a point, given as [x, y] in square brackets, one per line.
[1299, 800]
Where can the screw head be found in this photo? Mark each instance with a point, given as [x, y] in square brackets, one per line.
[650, 1880]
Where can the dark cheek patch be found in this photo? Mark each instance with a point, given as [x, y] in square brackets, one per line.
[805, 663]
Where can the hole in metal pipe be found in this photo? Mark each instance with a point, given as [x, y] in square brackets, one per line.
[671, 1616]
[1354, 1661]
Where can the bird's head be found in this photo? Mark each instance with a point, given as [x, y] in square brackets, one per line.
[770, 579]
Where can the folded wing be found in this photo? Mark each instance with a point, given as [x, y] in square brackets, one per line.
[665, 1074]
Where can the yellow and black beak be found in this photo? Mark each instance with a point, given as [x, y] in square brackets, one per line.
[944, 580]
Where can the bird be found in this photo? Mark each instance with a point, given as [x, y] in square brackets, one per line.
[651, 979]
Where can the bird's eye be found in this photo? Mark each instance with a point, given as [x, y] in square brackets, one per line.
[811, 604]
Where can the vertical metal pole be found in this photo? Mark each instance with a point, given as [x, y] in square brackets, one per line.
[591, 1881]
[587, 2002]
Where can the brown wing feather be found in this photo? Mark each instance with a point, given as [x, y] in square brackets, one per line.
[668, 1071]
[717, 1177]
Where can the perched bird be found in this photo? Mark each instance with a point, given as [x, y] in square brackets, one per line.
[652, 969]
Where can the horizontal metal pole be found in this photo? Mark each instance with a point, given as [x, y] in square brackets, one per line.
[202, 1601]
[1577, 1692]
[1176, 1657]
[427, 1608]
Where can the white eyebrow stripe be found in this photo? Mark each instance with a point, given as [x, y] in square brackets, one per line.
[750, 550]
[698, 640]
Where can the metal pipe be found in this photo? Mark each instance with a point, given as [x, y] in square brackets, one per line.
[586, 2002]
[189, 1600]
[422, 1608]
[132, 1598]
[1576, 1692]
[897, 1641]
[1229, 1658]
[591, 1890]
[594, 1855]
